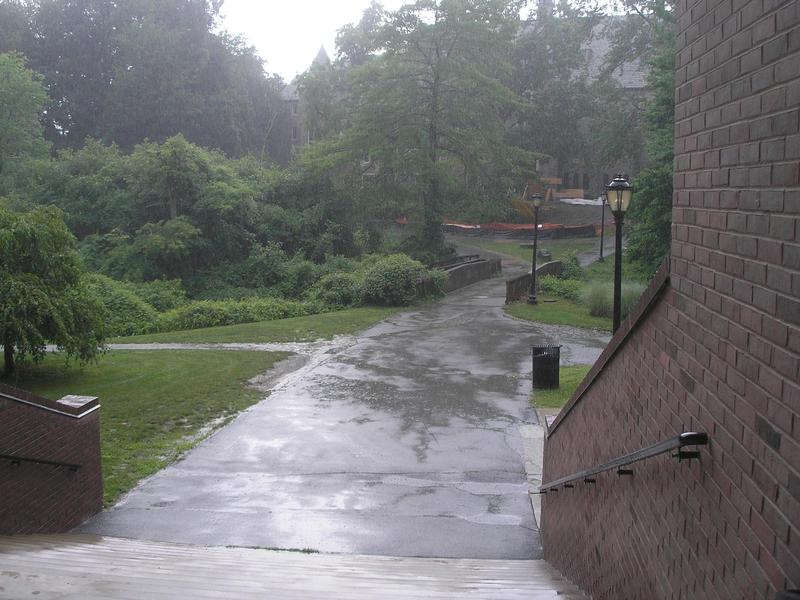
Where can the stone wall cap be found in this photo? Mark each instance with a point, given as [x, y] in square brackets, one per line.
[74, 401]
[70, 406]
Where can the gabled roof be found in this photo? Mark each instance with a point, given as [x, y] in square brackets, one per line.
[631, 74]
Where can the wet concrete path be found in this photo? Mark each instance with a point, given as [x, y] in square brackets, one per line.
[404, 442]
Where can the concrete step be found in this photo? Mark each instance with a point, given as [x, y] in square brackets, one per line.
[90, 567]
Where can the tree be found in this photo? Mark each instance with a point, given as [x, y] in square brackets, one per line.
[551, 72]
[126, 71]
[44, 296]
[430, 106]
[22, 99]
[651, 211]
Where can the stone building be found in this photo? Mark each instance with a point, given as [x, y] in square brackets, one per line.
[292, 130]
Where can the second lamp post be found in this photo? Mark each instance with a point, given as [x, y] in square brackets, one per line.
[618, 195]
[537, 202]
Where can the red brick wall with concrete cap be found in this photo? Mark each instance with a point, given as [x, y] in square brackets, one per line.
[44, 498]
[714, 347]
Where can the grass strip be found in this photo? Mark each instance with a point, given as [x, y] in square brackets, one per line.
[560, 312]
[296, 329]
[155, 405]
[569, 379]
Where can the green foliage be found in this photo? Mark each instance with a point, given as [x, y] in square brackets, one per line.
[337, 290]
[569, 378]
[208, 313]
[571, 267]
[127, 71]
[22, 98]
[651, 211]
[393, 280]
[550, 73]
[169, 248]
[598, 297]
[161, 294]
[651, 215]
[563, 312]
[430, 98]
[44, 297]
[125, 312]
[296, 329]
[156, 404]
[562, 288]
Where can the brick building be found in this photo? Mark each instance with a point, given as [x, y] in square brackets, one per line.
[713, 347]
[50, 473]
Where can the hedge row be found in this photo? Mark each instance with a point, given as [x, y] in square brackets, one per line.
[394, 280]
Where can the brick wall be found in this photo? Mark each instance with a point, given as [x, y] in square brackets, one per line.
[717, 348]
[41, 498]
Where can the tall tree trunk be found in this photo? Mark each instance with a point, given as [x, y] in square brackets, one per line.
[8, 356]
[173, 204]
[432, 226]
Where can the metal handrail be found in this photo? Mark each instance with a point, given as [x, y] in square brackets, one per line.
[15, 460]
[691, 438]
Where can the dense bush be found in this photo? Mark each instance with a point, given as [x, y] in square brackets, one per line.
[569, 289]
[266, 266]
[337, 290]
[161, 294]
[571, 267]
[598, 297]
[207, 313]
[393, 280]
[299, 275]
[126, 313]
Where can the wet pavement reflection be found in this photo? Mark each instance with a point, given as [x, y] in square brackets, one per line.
[402, 442]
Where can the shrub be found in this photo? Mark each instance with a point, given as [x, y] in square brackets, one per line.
[598, 297]
[126, 313]
[569, 289]
[631, 292]
[161, 294]
[337, 290]
[266, 266]
[209, 313]
[299, 275]
[432, 284]
[393, 280]
[336, 264]
[571, 268]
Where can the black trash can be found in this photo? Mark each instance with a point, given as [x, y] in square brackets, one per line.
[546, 362]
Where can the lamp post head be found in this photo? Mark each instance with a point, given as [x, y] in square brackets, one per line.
[618, 194]
[537, 200]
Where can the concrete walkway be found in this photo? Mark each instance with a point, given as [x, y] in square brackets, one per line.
[81, 567]
[405, 441]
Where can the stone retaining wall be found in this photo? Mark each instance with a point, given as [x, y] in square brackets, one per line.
[469, 273]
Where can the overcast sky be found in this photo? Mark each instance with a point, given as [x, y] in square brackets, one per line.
[288, 33]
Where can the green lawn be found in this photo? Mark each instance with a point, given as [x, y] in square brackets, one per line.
[569, 379]
[560, 249]
[154, 404]
[297, 329]
[560, 312]
[604, 271]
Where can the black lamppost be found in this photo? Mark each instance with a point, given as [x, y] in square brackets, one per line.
[618, 195]
[602, 225]
[537, 202]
